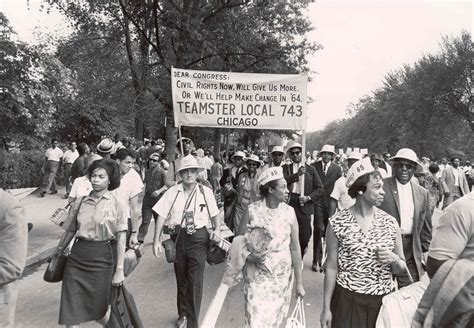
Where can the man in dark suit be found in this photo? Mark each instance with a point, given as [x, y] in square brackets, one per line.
[329, 173]
[313, 187]
[408, 202]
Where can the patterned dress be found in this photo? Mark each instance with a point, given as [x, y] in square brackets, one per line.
[358, 268]
[268, 287]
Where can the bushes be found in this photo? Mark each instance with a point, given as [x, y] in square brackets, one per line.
[22, 170]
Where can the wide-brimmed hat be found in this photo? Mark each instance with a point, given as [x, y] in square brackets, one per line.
[355, 155]
[358, 169]
[410, 155]
[277, 149]
[106, 145]
[328, 149]
[154, 155]
[253, 158]
[294, 145]
[189, 162]
[238, 154]
[270, 174]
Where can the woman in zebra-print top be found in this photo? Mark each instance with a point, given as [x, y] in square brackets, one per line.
[364, 250]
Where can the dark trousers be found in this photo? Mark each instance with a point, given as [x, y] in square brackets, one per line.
[304, 223]
[67, 175]
[49, 183]
[403, 279]
[147, 214]
[320, 222]
[191, 252]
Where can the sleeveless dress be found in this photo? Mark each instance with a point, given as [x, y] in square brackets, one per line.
[268, 287]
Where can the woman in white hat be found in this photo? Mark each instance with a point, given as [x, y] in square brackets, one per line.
[270, 268]
[364, 249]
[247, 191]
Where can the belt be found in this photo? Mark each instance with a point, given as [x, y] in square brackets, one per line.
[407, 236]
[110, 241]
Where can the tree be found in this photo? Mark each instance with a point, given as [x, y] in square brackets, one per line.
[33, 86]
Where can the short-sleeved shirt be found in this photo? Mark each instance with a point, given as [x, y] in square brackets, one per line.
[358, 268]
[130, 185]
[100, 219]
[70, 156]
[172, 176]
[197, 204]
[341, 194]
[453, 238]
[54, 154]
[80, 187]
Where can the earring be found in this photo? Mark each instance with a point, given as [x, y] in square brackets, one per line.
[360, 192]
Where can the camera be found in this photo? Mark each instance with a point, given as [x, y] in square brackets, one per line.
[189, 221]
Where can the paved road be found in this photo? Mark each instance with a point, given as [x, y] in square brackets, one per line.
[154, 288]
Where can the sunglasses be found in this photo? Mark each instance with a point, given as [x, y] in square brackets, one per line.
[406, 165]
[294, 153]
[252, 164]
[154, 160]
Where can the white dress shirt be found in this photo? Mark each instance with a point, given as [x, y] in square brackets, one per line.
[407, 207]
[296, 186]
[456, 177]
[54, 154]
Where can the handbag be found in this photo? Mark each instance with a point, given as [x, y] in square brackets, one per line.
[217, 251]
[297, 318]
[170, 250]
[60, 215]
[55, 270]
[123, 310]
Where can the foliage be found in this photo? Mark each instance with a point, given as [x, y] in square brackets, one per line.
[424, 106]
[240, 36]
[33, 85]
[22, 170]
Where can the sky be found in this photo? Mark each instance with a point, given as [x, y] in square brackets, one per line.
[362, 42]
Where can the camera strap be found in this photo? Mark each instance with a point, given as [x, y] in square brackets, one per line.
[186, 206]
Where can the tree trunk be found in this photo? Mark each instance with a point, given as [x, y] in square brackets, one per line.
[217, 143]
[170, 135]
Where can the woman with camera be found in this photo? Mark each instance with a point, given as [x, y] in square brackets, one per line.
[364, 248]
[183, 213]
[275, 259]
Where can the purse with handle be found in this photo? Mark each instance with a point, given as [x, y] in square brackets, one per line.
[55, 270]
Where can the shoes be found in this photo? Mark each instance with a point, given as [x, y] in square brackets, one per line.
[30, 226]
[41, 194]
[314, 267]
[66, 196]
[182, 322]
[53, 192]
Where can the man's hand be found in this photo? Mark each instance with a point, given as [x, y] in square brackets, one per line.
[302, 170]
[304, 200]
[157, 248]
[216, 235]
[133, 239]
[156, 193]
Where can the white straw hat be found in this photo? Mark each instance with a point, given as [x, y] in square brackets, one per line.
[328, 149]
[410, 155]
[189, 162]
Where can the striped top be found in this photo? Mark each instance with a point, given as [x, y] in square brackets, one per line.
[358, 268]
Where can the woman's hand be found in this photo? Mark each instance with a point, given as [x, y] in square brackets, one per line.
[254, 258]
[118, 277]
[300, 290]
[326, 318]
[385, 256]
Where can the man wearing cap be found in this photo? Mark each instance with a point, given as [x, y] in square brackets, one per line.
[154, 188]
[172, 176]
[454, 182]
[340, 198]
[183, 212]
[131, 186]
[230, 177]
[408, 202]
[313, 188]
[50, 167]
[329, 173]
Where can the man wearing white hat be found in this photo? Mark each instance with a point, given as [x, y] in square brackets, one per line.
[329, 173]
[183, 212]
[277, 154]
[172, 177]
[313, 188]
[408, 202]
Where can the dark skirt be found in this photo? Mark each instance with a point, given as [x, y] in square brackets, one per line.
[351, 309]
[87, 282]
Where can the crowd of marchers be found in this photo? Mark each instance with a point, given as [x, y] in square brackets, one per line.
[369, 217]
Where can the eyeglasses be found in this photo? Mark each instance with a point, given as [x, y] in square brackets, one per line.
[154, 160]
[295, 153]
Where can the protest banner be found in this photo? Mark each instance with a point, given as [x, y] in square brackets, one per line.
[239, 100]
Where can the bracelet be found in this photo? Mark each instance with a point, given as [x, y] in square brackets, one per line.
[133, 231]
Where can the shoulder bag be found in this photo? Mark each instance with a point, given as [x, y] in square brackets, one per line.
[55, 269]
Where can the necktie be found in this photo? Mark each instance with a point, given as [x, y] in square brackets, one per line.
[324, 168]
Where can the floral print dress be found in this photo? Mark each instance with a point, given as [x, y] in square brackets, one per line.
[268, 286]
